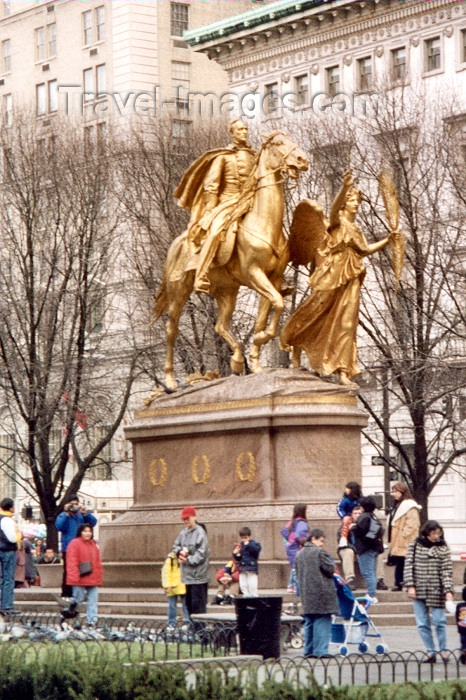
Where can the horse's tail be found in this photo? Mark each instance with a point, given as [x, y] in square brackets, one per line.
[161, 299]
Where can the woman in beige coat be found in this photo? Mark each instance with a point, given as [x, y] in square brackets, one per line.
[403, 527]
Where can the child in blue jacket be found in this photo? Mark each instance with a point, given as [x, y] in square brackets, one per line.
[246, 555]
[350, 499]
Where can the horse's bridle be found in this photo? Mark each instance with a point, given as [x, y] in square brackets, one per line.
[280, 167]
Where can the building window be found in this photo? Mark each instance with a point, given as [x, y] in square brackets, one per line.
[88, 83]
[181, 84]
[6, 56]
[7, 465]
[40, 44]
[179, 18]
[6, 8]
[333, 80]
[100, 22]
[302, 89]
[94, 82]
[53, 95]
[96, 317]
[7, 109]
[101, 79]
[463, 46]
[101, 467]
[432, 52]
[398, 64]
[365, 73]
[270, 98]
[87, 27]
[41, 99]
[52, 39]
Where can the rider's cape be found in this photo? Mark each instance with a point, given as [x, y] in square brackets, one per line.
[190, 191]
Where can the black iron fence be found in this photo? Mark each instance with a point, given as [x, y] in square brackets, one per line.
[37, 637]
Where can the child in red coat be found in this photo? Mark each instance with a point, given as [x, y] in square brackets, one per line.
[84, 571]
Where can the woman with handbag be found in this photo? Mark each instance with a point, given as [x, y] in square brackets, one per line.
[84, 571]
[428, 576]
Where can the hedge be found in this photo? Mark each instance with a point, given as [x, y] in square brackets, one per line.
[62, 678]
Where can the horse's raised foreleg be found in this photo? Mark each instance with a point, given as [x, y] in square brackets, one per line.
[226, 302]
[270, 297]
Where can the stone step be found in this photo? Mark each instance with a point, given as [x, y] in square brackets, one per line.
[135, 606]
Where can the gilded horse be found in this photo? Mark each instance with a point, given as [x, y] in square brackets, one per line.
[258, 259]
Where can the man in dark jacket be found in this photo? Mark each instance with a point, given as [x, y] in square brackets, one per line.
[314, 571]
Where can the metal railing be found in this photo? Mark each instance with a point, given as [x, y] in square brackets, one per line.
[214, 646]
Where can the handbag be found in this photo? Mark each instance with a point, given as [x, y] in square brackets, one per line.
[85, 567]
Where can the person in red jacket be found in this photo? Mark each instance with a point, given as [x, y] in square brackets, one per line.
[84, 571]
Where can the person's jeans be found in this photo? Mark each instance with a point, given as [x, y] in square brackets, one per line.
[8, 566]
[317, 632]
[293, 581]
[367, 566]
[172, 603]
[92, 592]
[439, 620]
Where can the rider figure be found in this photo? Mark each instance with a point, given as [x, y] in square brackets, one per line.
[222, 188]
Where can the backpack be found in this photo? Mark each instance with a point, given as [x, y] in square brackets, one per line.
[376, 530]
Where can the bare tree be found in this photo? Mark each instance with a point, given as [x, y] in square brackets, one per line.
[65, 383]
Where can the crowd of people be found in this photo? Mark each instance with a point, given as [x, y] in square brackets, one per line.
[420, 557]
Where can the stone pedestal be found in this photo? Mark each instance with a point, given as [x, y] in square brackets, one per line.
[242, 450]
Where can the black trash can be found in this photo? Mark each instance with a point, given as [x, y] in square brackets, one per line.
[258, 623]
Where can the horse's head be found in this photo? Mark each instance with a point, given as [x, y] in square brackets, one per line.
[284, 155]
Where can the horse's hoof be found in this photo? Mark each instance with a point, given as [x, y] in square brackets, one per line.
[237, 366]
[256, 367]
[171, 383]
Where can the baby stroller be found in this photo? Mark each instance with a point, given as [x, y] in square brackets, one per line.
[353, 625]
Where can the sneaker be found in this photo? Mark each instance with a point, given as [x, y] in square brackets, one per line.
[381, 585]
[218, 600]
[292, 609]
[370, 600]
[396, 588]
[62, 601]
[291, 589]
[351, 584]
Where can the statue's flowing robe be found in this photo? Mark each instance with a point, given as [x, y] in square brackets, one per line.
[325, 324]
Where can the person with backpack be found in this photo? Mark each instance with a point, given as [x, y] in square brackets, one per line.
[366, 537]
[295, 534]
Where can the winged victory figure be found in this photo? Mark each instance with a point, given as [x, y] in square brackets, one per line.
[325, 324]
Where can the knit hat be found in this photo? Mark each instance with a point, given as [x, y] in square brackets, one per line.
[187, 512]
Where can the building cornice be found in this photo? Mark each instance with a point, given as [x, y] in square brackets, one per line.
[253, 18]
[348, 29]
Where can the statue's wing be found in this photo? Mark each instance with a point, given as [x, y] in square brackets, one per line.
[308, 232]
